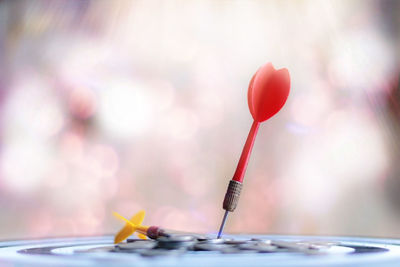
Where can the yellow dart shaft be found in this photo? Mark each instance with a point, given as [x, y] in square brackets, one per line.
[142, 229]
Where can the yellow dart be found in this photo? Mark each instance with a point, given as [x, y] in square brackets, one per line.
[135, 225]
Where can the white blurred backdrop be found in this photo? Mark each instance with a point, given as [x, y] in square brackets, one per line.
[127, 105]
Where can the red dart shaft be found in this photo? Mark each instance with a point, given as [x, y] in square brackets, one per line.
[235, 185]
[244, 158]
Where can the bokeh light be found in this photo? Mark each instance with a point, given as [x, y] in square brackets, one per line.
[130, 105]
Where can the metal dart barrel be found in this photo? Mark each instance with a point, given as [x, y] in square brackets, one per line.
[155, 232]
[232, 195]
[230, 201]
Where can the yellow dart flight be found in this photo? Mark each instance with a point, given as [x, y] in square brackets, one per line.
[131, 226]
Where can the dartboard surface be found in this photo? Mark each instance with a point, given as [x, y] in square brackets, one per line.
[233, 250]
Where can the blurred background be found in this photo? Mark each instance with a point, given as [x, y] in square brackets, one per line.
[127, 105]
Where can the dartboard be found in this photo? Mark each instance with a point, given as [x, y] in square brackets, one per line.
[186, 250]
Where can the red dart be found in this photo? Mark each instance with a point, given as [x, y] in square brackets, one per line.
[268, 92]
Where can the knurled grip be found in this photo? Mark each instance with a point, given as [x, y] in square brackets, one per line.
[232, 195]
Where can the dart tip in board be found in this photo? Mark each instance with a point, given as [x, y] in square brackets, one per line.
[221, 228]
